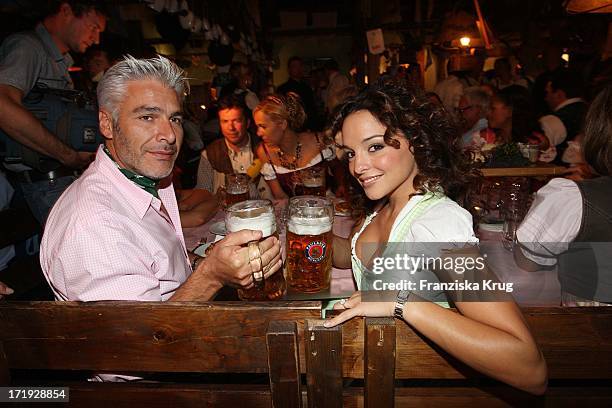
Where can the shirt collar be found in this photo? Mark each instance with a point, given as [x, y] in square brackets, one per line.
[51, 47]
[567, 102]
[242, 149]
[136, 197]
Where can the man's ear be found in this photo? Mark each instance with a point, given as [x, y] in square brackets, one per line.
[284, 124]
[106, 124]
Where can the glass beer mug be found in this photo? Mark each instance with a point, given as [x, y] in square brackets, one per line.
[236, 188]
[257, 215]
[309, 243]
[313, 181]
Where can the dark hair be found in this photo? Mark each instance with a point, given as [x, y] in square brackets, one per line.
[231, 101]
[503, 63]
[331, 64]
[294, 58]
[428, 128]
[79, 7]
[524, 120]
[597, 142]
[569, 81]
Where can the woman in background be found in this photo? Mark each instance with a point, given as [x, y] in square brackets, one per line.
[286, 151]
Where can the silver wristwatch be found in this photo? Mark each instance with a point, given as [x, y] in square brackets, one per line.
[400, 301]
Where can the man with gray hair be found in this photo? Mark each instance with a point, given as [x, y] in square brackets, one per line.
[472, 112]
[115, 233]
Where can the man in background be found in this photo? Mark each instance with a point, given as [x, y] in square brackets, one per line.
[41, 58]
[234, 153]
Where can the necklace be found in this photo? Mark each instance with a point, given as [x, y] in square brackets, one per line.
[284, 160]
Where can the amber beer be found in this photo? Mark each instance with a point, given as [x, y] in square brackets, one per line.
[257, 215]
[313, 182]
[309, 243]
[236, 189]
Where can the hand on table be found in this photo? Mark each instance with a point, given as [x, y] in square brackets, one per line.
[5, 290]
[356, 307]
[579, 172]
[233, 262]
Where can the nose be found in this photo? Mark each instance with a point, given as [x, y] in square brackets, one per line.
[95, 36]
[168, 131]
[361, 163]
[260, 132]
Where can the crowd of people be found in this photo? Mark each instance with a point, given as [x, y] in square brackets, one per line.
[115, 232]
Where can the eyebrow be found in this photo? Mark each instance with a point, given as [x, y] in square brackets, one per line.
[367, 139]
[153, 109]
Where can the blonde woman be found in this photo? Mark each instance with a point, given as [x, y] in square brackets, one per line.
[286, 152]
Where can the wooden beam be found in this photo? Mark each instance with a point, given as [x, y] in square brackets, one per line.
[284, 364]
[379, 362]
[323, 348]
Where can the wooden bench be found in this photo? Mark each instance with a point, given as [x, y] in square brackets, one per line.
[349, 366]
[152, 337]
[576, 342]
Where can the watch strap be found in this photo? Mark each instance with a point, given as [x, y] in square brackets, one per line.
[400, 301]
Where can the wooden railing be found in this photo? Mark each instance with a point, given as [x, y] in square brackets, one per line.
[365, 362]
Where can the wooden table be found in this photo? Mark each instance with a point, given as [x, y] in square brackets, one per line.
[528, 171]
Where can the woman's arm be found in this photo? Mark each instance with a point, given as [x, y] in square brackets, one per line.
[189, 199]
[277, 190]
[196, 207]
[491, 337]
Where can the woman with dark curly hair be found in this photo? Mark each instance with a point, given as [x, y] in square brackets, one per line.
[400, 149]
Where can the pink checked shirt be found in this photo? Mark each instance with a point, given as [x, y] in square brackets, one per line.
[107, 239]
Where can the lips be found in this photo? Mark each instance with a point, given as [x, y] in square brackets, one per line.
[163, 154]
[368, 181]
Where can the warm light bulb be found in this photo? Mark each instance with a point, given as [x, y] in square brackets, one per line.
[565, 57]
[203, 107]
[465, 41]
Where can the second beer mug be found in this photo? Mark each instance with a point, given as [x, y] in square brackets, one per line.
[313, 181]
[257, 215]
[236, 188]
[309, 243]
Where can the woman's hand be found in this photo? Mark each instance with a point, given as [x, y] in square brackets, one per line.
[356, 307]
[5, 290]
[579, 171]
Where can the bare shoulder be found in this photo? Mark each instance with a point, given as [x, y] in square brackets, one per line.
[311, 142]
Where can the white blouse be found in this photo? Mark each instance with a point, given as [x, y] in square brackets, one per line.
[553, 221]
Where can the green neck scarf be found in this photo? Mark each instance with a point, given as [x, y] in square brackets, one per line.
[147, 184]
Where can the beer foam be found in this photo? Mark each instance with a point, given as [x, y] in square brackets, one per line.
[309, 226]
[266, 223]
[237, 189]
[312, 182]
